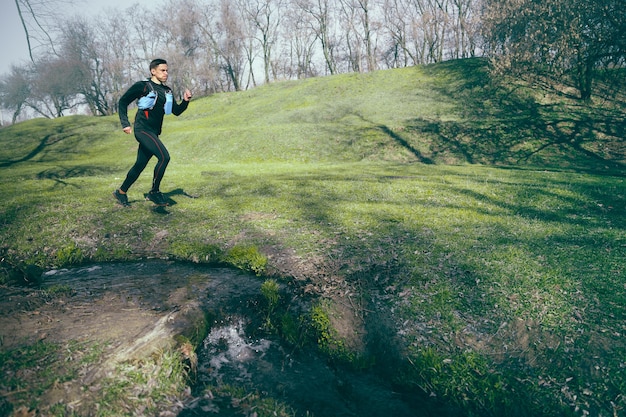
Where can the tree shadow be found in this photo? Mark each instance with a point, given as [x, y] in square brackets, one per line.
[45, 142]
[169, 200]
[178, 191]
[71, 136]
[508, 125]
[405, 144]
[160, 210]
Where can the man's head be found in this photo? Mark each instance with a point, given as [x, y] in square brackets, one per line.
[158, 69]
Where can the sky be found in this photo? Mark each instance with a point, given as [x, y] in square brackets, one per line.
[13, 46]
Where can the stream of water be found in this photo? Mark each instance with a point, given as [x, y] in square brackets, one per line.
[301, 379]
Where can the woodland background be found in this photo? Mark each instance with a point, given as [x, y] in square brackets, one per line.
[82, 65]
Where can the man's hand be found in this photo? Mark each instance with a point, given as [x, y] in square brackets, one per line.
[127, 130]
[187, 95]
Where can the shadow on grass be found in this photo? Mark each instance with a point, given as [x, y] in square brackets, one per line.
[60, 174]
[69, 136]
[169, 200]
[406, 145]
[506, 125]
[45, 142]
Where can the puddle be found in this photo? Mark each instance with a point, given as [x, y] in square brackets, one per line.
[303, 380]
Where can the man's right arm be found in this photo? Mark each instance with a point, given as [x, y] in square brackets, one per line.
[132, 94]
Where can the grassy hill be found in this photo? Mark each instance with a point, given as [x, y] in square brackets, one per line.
[473, 229]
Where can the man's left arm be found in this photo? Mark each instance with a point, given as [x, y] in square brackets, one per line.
[178, 109]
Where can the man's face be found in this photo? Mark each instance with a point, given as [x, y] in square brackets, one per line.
[160, 72]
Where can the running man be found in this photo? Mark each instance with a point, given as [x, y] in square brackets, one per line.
[148, 124]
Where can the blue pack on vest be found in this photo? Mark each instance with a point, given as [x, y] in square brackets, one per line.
[148, 101]
[169, 98]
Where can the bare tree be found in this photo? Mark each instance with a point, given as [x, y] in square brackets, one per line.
[148, 37]
[436, 24]
[115, 50]
[80, 51]
[36, 16]
[426, 31]
[218, 45]
[300, 43]
[464, 28]
[230, 42]
[321, 14]
[358, 34]
[209, 76]
[183, 40]
[397, 23]
[54, 89]
[265, 17]
[15, 90]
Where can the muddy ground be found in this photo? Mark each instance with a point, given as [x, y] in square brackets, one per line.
[124, 311]
[107, 314]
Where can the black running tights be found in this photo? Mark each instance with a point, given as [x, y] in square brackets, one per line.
[149, 145]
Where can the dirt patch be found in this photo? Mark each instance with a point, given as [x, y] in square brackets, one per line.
[320, 277]
[32, 315]
[127, 311]
[115, 310]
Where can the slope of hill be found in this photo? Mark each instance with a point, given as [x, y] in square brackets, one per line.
[448, 113]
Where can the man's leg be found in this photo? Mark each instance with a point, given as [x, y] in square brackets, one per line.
[161, 166]
[143, 156]
[151, 142]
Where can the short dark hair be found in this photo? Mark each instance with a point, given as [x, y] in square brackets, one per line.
[156, 62]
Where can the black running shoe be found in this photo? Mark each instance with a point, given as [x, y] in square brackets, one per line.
[121, 198]
[157, 198]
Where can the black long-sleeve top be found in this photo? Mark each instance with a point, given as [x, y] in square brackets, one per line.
[148, 119]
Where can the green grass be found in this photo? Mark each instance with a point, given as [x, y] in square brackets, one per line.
[148, 386]
[31, 370]
[485, 219]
